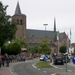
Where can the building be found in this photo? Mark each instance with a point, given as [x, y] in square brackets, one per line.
[35, 37]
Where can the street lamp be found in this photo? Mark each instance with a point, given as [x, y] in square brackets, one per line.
[45, 29]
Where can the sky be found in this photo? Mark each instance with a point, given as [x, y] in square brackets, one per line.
[40, 12]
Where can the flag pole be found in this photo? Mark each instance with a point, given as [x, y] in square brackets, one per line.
[58, 42]
[58, 46]
[70, 38]
[67, 44]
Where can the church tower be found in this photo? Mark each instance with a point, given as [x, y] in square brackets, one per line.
[21, 22]
[54, 25]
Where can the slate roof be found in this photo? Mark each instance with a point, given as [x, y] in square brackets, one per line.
[39, 34]
[18, 10]
[30, 33]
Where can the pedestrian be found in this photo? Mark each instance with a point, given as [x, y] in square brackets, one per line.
[50, 58]
[3, 60]
[0, 60]
[24, 58]
[7, 61]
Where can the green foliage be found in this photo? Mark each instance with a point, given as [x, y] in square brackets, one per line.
[8, 49]
[22, 42]
[74, 49]
[13, 48]
[35, 50]
[7, 28]
[62, 49]
[44, 47]
[43, 64]
[3, 49]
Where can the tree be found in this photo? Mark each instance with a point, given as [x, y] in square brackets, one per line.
[44, 47]
[74, 49]
[62, 49]
[7, 27]
[22, 42]
[13, 48]
[3, 48]
[35, 50]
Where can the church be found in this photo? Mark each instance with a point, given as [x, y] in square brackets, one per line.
[35, 37]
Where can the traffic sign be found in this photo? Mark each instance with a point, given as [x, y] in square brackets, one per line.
[45, 58]
[73, 60]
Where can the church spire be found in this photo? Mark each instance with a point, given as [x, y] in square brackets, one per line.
[17, 11]
[54, 25]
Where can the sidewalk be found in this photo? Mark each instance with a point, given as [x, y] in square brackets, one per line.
[7, 70]
[71, 64]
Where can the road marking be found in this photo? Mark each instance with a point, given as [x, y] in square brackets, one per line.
[53, 74]
[69, 70]
[45, 71]
[34, 65]
[38, 69]
[61, 68]
[53, 65]
[11, 71]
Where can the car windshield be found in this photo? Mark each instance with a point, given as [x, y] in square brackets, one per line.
[58, 57]
[42, 56]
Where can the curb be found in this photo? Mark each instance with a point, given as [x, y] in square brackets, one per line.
[11, 68]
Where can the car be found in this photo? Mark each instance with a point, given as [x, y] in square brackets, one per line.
[42, 57]
[58, 60]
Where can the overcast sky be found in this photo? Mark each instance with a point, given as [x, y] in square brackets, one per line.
[41, 12]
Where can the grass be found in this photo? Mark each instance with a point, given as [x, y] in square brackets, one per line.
[43, 64]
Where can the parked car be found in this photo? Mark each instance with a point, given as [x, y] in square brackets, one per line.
[58, 60]
[42, 57]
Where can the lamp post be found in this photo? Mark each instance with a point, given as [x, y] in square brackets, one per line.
[45, 29]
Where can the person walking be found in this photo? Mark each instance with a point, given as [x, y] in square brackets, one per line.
[0, 60]
[7, 61]
[3, 60]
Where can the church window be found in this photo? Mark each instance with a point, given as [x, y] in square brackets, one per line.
[21, 22]
[18, 21]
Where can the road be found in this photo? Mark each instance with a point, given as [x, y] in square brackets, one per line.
[28, 68]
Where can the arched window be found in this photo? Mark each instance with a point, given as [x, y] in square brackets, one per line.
[18, 21]
[21, 22]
